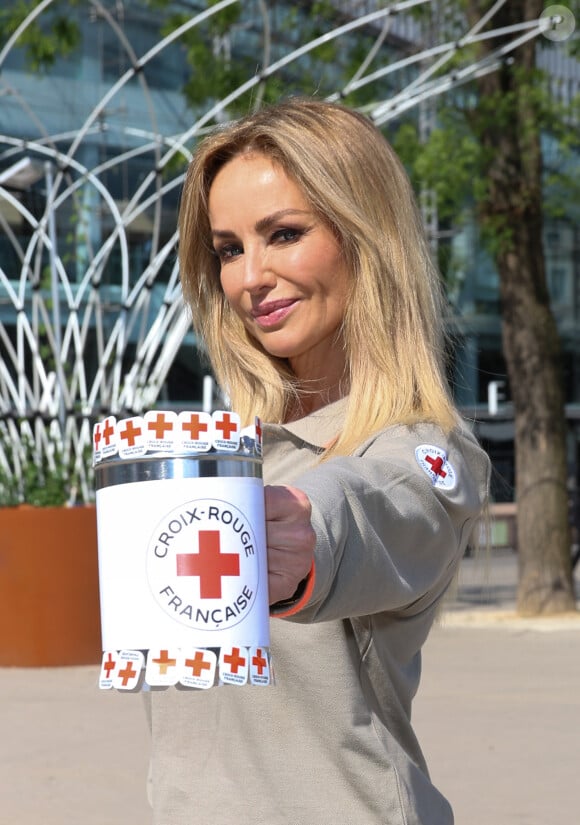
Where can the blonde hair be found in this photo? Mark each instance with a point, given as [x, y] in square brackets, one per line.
[393, 325]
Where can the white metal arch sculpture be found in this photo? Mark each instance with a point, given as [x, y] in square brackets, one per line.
[48, 394]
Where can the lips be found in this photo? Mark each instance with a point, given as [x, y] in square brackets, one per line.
[273, 312]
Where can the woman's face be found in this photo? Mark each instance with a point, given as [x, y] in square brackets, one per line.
[281, 267]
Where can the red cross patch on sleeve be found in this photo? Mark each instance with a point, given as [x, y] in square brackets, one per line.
[433, 461]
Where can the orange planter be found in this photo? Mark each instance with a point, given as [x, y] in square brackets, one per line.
[49, 587]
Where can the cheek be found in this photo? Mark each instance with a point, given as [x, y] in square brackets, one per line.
[228, 285]
[339, 282]
[234, 298]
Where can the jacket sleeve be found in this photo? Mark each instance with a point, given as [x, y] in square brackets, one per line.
[390, 532]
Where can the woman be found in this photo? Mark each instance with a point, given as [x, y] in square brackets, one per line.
[309, 279]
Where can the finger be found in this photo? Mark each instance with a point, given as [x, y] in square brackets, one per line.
[283, 503]
[294, 564]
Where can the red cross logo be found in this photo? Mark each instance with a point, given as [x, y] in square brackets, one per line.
[227, 426]
[130, 433]
[234, 660]
[210, 564]
[259, 662]
[197, 664]
[164, 662]
[108, 432]
[109, 665]
[258, 431]
[127, 674]
[160, 426]
[436, 465]
[194, 427]
[97, 436]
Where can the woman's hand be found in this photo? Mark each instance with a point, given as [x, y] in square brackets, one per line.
[290, 538]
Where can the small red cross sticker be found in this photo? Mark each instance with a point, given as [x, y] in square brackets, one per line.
[127, 673]
[97, 435]
[210, 564]
[258, 431]
[130, 433]
[109, 665]
[164, 661]
[108, 431]
[436, 465]
[234, 660]
[160, 425]
[227, 426]
[194, 426]
[197, 664]
[259, 661]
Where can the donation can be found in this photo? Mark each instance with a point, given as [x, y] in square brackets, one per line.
[182, 551]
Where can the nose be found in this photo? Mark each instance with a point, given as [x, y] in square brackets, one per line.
[257, 274]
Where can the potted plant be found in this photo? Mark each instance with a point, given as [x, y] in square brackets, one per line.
[49, 597]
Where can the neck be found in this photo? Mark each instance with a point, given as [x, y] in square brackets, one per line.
[309, 401]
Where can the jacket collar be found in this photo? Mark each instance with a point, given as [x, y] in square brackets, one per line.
[318, 428]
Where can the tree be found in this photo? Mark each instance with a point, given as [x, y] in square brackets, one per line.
[497, 132]
[507, 121]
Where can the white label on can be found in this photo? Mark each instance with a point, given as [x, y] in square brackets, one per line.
[182, 562]
[201, 566]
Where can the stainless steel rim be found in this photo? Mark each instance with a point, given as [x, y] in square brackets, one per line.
[159, 468]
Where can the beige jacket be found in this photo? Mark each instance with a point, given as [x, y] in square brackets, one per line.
[332, 742]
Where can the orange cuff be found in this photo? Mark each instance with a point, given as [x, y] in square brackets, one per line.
[285, 609]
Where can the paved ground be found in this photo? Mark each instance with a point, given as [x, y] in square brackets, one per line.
[498, 711]
[498, 714]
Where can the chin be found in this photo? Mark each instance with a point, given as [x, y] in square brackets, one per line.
[276, 349]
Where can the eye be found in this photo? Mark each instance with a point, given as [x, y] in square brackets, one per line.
[228, 251]
[286, 235]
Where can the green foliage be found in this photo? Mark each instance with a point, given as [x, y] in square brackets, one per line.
[449, 163]
[28, 475]
[53, 34]
[316, 25]
[455, 159]
[213, 72]
[458, 159]
[226, 51]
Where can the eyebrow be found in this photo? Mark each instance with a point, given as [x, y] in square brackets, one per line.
[264, 223]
